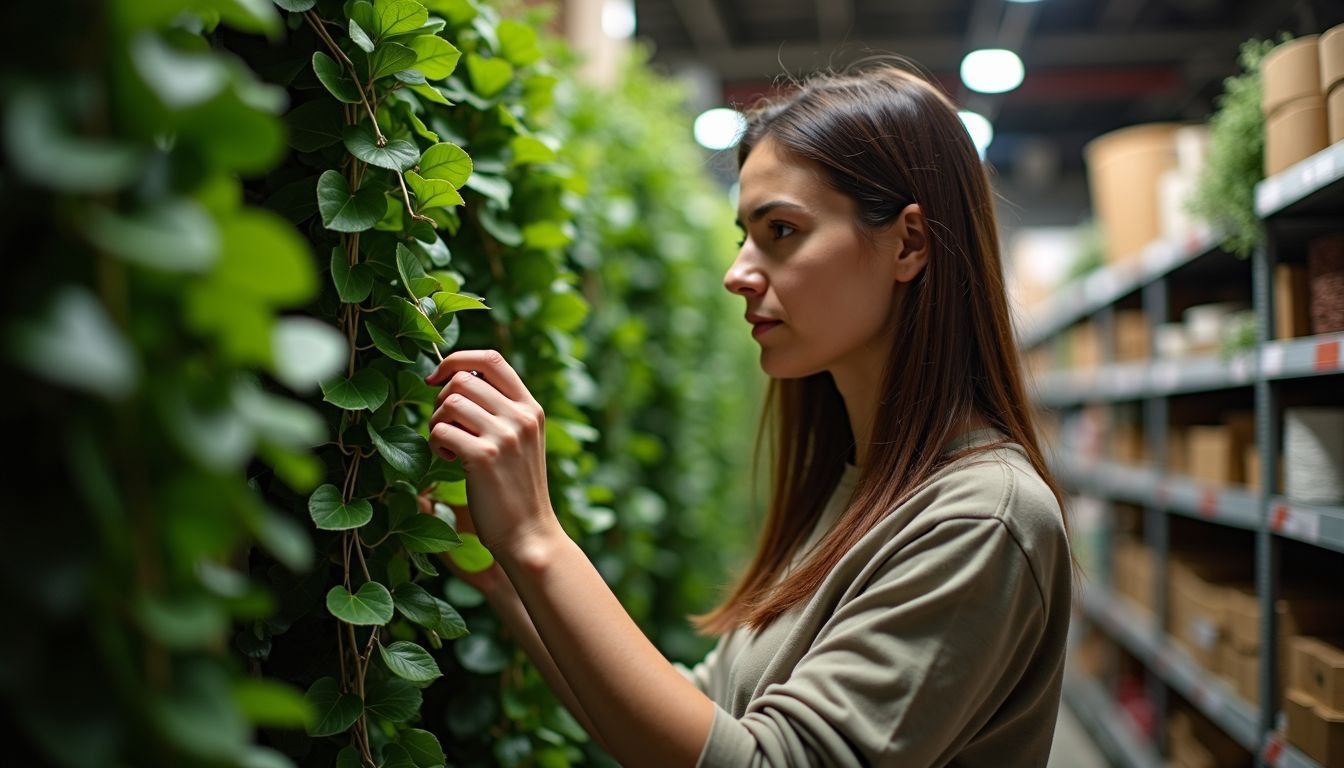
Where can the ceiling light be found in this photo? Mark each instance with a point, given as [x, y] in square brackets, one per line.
[618, 18]
[991, 70]
[980, 129]
[719, 128]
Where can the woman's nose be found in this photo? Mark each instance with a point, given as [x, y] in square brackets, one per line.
[743, 278]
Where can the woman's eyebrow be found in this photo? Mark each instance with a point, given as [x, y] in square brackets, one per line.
[765, 208]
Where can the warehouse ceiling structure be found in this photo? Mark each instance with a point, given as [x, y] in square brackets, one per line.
[1091, 66]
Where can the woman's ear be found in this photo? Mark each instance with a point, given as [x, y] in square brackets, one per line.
[908, 237]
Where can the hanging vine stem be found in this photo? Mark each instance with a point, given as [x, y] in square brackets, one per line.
[406, 195]
[315, 22]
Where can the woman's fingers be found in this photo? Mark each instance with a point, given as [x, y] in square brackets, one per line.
[489, 364]
[479, 390]
[459, 409]
[450, 441]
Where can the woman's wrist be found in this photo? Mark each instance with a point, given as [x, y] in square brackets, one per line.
[529, 553]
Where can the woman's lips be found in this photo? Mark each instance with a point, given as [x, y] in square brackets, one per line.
[759, 329]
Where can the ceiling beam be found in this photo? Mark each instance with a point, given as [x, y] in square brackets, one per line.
[943, 53]
[704, 23]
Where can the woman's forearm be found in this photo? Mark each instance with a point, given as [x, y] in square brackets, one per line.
[633, 696]
[509, 607]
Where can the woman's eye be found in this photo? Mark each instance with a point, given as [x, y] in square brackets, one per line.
[781, 230]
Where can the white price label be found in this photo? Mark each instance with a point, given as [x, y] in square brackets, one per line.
[1302, 524]
[1239, 368]
[1271, 360]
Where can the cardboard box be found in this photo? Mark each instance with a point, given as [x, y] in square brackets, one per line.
[1132, 340]
[1197, 618]
[1212, 455]
[1317, 669]
[1315, 730]
[1194, 740]
[1123, 171]
[1248, 677]
[1292, 310]
[1243, 617]
[1127, 445]
[1290, 72]
[1177, 450]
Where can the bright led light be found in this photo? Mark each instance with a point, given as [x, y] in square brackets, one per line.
[719, 128]
[992, 70]
[618, 18]
[982, 132]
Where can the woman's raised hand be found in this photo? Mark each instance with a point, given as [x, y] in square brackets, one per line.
[485, 416]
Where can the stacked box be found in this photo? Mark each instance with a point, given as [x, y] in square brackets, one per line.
[1314, 703]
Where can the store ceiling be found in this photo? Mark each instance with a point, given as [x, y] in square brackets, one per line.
[1091, 65]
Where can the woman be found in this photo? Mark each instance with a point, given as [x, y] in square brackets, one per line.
[909, 600]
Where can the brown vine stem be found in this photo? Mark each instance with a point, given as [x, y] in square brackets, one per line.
[406, 195]
[315, 22]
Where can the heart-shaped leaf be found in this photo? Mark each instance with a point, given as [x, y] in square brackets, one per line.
[432, 193]
[392, 699]
[448, 162]
[396, 155]
[488, 76]
[403, 448]
[389, 59]
[344, 212]
[451, 626]
[371, 605]
[331, 513]
[472, 556]
[366, 390]
[423, 747]
[335, 711]
[353, 284]
[456, 302]
[409, 661]
[428, 534]
[329, 72]
[434, 56]
[417, 605]
[388, 343]
[398, 16]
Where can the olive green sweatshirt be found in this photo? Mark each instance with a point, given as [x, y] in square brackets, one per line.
[938, 640]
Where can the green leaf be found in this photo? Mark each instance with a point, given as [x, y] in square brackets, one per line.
[46, 153]
[189, 622]
[307, 352]
[349, 757]
[353, 284]
[198, 715]
[331, 75]
[387, 343]
[296, 6]
[432, 193]
[273, 704]
[518, 43]
[412, 322]
[448, 162]
[502, 229]
[564, 311]
[472, 556]
[280, 420]
[389, 59]
[530, 149]
[314, 125]
[343, 212]
[396, 756]
[371, 605]
[284, 539]
[263, 256]
[392, 699]
[408, 265]
[431, 93]
[427, 534]
[409, 661]
[403, 448]
[494, 188]
[366, 390]
[180, 79]
[250, 16]
[417, 605]
[397, 16]
[423, 747]
[488, 76]
[77, 345]
[451, 626]
[334, 712]
[396, 155]
[548, 234]
[456, 302]
[330, 513]
[360, 37]
[434, 56]
[481, 654]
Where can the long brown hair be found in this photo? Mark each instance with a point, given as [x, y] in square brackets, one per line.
[885, 138]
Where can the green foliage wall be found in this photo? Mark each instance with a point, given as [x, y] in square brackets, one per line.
[239, 235]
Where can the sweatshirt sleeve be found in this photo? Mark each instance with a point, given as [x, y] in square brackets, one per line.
[702, 673]
[909, 669]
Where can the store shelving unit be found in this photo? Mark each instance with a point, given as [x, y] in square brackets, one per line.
[1303, 201]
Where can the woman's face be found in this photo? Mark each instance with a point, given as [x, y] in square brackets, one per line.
[820, 297]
